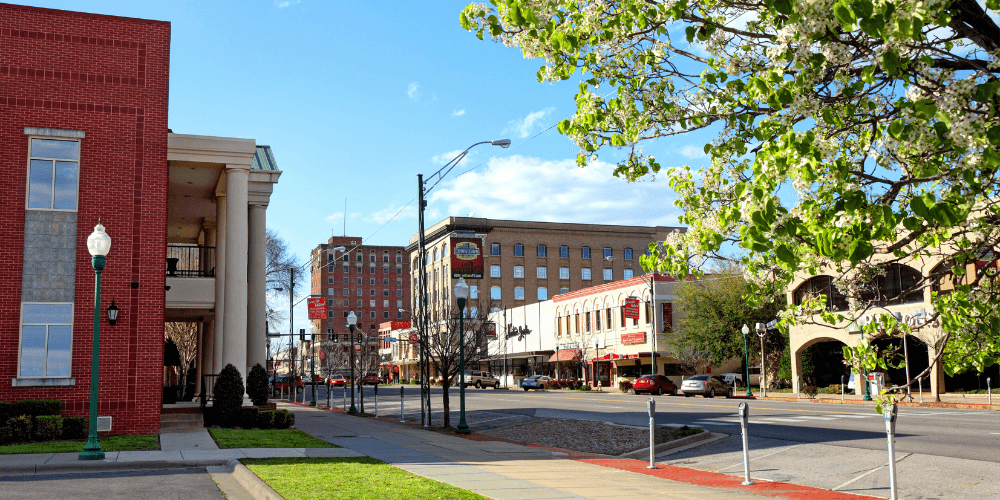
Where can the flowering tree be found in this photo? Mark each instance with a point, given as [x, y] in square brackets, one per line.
[851, 135]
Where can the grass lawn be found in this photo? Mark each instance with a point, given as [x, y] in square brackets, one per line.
[348, 478]
[270, 438]
[109, 443]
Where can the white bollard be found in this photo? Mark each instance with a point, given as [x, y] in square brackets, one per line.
[401, 419]
[989, 394]
[890, 430]
[841, 387]
[744, 416]
[376, 400]
[651, 409]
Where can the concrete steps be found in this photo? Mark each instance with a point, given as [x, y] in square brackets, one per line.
[181, 421]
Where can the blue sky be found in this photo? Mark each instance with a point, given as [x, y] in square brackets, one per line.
[357, 98]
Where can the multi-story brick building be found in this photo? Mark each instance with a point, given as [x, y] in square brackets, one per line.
[83, 137]
[371, 280]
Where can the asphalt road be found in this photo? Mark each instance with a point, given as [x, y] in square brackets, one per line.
[179, 484]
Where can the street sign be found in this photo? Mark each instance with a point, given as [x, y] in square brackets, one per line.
[317, 308]
[632, 307]
[414, 339]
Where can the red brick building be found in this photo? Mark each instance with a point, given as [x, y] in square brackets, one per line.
[83, 110]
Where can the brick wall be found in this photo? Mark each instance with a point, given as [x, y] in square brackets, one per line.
[106, 76]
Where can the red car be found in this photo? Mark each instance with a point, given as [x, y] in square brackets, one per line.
[371, 379]
[658, 384]
[337, 381]
[279, 385]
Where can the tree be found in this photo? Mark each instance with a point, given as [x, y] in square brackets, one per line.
[278, 263]
[850, 135]
[185, 337]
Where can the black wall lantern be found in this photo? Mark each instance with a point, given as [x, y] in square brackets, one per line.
[112, 313]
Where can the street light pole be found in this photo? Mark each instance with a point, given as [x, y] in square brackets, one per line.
[99, 244]
[761, 331]
[746, 358]
[461, 293]
[352, 319]
[422, 192]
[312, 362]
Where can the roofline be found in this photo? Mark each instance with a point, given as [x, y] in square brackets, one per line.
[87, 14]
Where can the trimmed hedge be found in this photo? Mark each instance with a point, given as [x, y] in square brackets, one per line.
[266, 419]
[280, 419]
[257, 385]
[75, 427]
[229, 391]
[47, 427]
[31, 407]
[20, 428]
[249, 417]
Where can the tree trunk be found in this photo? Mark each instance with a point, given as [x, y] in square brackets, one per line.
[445, 381]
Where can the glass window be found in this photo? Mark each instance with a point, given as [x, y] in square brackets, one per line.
[399, 292]
[608, 275]
[46, 340]
[371, 281]
[359, 258]
[53, 176]
[371, 303]
[385, 257]
[518, 293]
[473, 312]
[347, 268]
[371, 291]
[608, 253]
[385, 281]
[628, 254]
[542, 272]
[399, 281]
[564, 290]
[563, 252]
[474, 292]
[372, 314]
[385, 292]
[399, 303]
[585, 252]
[494, 271]
[542, 251]
[518, 271]
[518, 250]
[347, 302]
[347, 291]
[495, 292]
[564, 273]
[360, 268]
[628, 273]
[585, 273]
[494, 249]
[371, 257]
[543, 293]
[347, 281]
[385, 314]
[385, 303]
[360, 292]
[360, 302]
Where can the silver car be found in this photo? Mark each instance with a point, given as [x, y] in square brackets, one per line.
[537, 382]
[706, 385]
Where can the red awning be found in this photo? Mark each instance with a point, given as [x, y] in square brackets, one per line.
[565, 355]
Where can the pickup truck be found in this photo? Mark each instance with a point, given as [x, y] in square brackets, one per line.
[481, 380]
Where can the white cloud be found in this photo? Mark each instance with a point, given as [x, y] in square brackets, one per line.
[458, 112]
[444, 158]
[413, 91]
[523, 188]
[392, 212]
[692, 151]
[527, 125]
[281, 4]
[338, 217]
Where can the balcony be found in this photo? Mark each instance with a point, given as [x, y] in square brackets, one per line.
[190, 280]
[190, 261]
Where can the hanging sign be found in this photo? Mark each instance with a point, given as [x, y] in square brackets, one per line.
[634, 338]
[317, 308]
[632, 307]
[466, 258]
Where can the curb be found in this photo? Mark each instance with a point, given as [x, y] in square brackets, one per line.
[669, 445]
[935, 404]
[102, 465]
[245, 479]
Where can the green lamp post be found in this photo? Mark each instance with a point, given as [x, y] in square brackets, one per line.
[352, 319]
[312, 362]
[461, 293]
[746, 358]
[99, 244]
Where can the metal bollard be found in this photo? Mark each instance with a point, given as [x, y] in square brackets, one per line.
[890, 430]
[428, 422]
[345, 398]
[920, 385]
[651, 409]
[841, 387]
[989, 394]
[401, 419]
[376, 400]
[744, 415]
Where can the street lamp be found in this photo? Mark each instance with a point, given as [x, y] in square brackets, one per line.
[461, 293]
[761, 331]
[746, 358]
[422, 192]
[352, 320]
[99, 244]
[312, 362]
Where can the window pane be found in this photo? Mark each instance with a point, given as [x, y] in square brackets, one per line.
[564, 251]
[607, 253]
[543, 293]
[518, 271]
[65, 190]
[607, 275]
[495, 293]
[40, 184]
[519, 293]
[628, 273]
[49, 148]
[60, 345]
[542, 251]
[628, 254]
[48, 314]
[585, 273]
[585, 252]
[494, 271]
[32, 351]
[542, 272]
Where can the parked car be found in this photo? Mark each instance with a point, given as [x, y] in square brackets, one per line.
[337, 380]
[281, 384]
[728, 378]
[755, 375]
[706, 385]
[658, 384]
[371, 379]
[537, 382]
[481, 380]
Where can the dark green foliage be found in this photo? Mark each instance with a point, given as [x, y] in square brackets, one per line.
[228, 397]
[289, 419]
[280, 419]
[265, 419]
[810, 391]
[47, 427]
[75, 427]
[20, 428]
[6, 435]
[32, 407]
[249, 417]
[257, 385]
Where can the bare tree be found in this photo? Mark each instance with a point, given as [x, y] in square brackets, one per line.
[185, 337]
[279, 278]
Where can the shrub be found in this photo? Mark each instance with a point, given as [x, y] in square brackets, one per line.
[414, 381]
[75, 427]
[249, 417]
[810, 391]
[280, 419]
[47, 427]
[625, 385]
[36, 407]
[257, 385]
[584, 388]
[289, 419]
[835, 388]
[6, 435]
[228, 397]
[265, 419]
[20, 428]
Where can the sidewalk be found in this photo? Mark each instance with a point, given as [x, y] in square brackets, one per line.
[503, 470]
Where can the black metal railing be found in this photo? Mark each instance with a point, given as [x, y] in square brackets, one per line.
[190, 261]
[208, 389]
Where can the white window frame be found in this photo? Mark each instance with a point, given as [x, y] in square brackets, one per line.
[518, 293]
[519, 271]
[44, 379]
[27, 184]
[542, 272]
[609, 274]
[629, 274]
[494, 271]
[585, 273]
[564, 273]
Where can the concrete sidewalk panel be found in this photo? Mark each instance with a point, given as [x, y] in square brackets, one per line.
[135, 456]
[212, 454]
[331, 453]
[272, 452]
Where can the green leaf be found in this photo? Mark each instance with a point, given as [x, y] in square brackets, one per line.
[860, 250]
[785, 96]
[919, 207]
[784, 254]
[844, 14]
[896, 129]
[863, 8]
[890, 61]
[783, 6]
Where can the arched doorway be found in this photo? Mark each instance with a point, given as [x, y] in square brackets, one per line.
[821, 362]
[914, 355]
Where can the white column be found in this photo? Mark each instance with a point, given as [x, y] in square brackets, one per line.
[220, 282]
[198, 364]
[207, 354]
[256, 308]
[234, 349]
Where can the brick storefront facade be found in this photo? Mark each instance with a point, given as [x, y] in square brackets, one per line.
[104, 79]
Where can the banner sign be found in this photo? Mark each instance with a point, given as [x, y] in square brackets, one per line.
[414, 339]
[467, 258]
[317, 308]
[632, 307]
[634, 338]
[491, 330]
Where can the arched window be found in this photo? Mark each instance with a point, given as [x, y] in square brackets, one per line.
[897, 286]
[816, 285]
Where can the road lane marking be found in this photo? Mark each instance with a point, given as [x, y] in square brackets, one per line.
[810, 417]
[605, 406]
